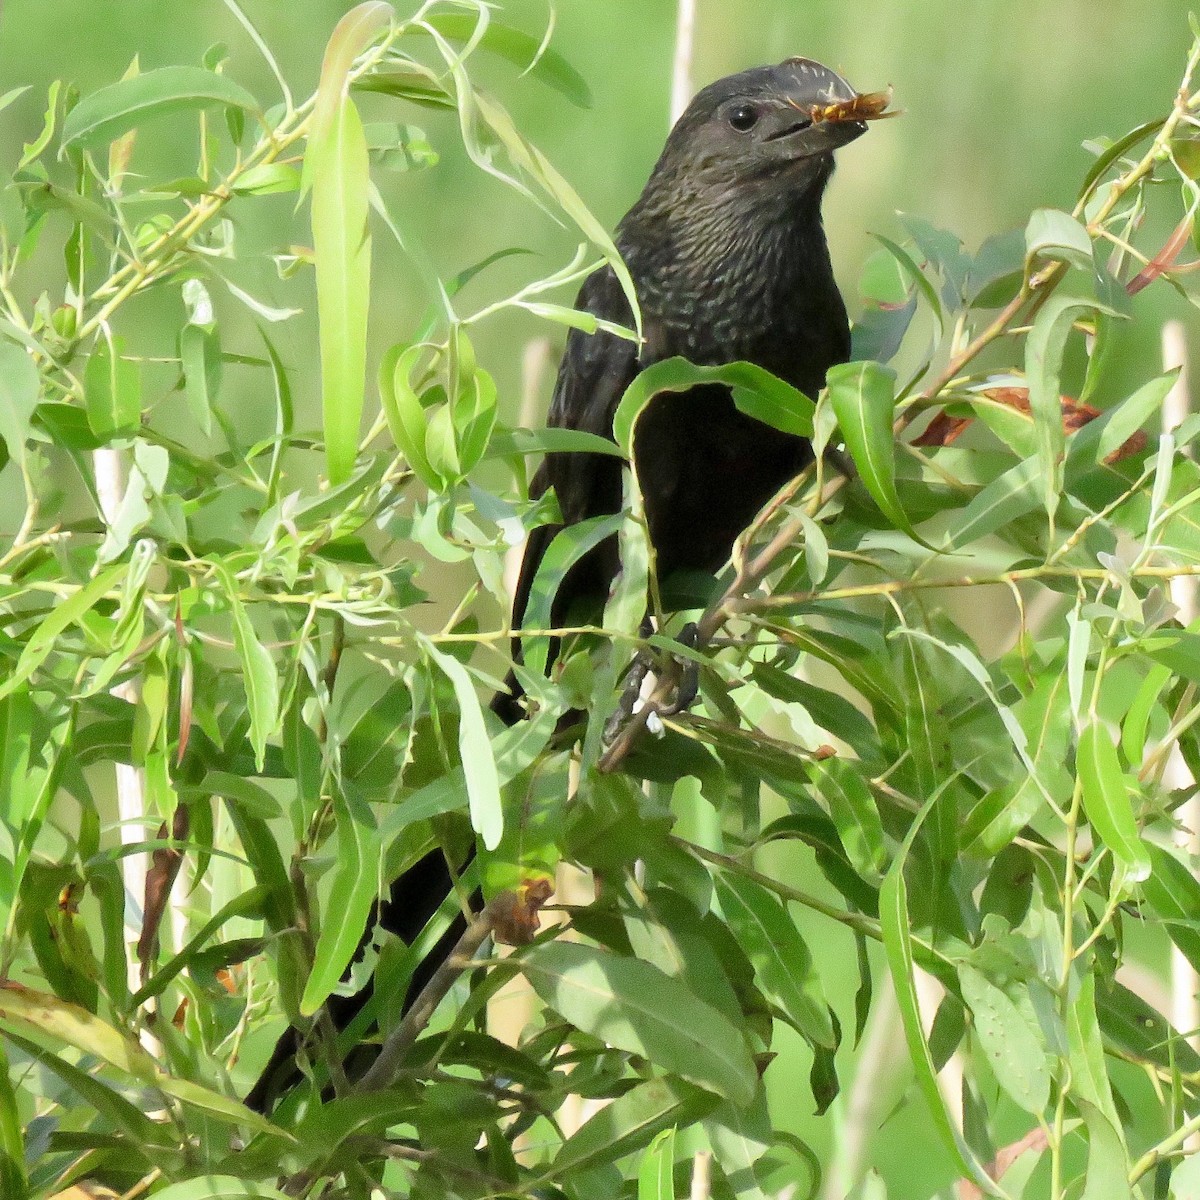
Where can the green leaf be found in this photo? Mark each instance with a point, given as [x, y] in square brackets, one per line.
[19, 386]
[1106, 800]
[342, 249]
[1174, 893]
[1091, 1092]
[656, 1174]
[550, 441]
[1043, 364]
[854, 814]
[1054, 234]
[1009, 496]
[200, 357]
[43, 1016]
[533, 57]
[112, 389]
[267, 179]
[119, 107]
[41, 642]
[1014, 1050]
[863, 395]
[635, 1007]
[475, 750]
[356, 884]
[219, 1187]
[258, 669]
[1126, 418]
[628, 1123]
[405, 413]
[896, 931]
[755, 392]
[913, 270]
[566, 548]
[783, 966]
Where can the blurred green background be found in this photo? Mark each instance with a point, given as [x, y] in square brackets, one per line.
[998, 98]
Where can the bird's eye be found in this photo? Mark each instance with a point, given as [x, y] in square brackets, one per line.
[744, 117]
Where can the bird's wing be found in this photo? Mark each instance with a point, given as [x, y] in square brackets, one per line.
[595, 370]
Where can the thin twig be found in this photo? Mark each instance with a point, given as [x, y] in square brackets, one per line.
[391, 1055]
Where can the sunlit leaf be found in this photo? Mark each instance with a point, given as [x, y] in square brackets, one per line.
[354, 888]
[1107, 802]
[119, 107]
[634, 1006]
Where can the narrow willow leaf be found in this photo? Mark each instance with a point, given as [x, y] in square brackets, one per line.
[550, 441]
[514, 749]
[125, 1116]
[529, 158]
[635, 1007]
[1126, 418]
[13, 1180]
[1091, 1092]
[1043, 365]
[200, 357]
[475, 749]
[119, 107]
[405, 414]
[1054, 234]
[260, 678]
[863, 395]
[756, 392]
[267, 179]
[656, 1174]
[19, 387]
[41, 642]
[219, 1187]
[566, 548]
[629, 1123]
[112, 389]
[519, 48]
[1009, 496]
[1014, 1050]
[1174, 893]
[739, 1138]
[912, 269]
[342, 248]
[1106, 800]
[896, 931]
[350, 37]
[248, 904]
[854, 814]
[1137, 719]
[1079, 640]
[355, 886]
[43, 1016]
[783, 966]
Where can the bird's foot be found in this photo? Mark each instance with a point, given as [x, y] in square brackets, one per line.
[687, 686]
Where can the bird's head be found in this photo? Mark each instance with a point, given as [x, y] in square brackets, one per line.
[780, 122]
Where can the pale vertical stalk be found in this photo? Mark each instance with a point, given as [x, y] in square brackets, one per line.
[576, 886]
[681, 67]
[882, 1047]
[930, 994]
[535, 358]
[701, 1188]
[131, 797]
[1185, 984]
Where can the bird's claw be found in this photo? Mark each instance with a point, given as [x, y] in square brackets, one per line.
[686, 689]
[688, 686]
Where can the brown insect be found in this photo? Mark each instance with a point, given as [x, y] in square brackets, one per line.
[866, 106]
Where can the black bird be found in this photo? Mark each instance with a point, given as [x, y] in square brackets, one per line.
[728, 258]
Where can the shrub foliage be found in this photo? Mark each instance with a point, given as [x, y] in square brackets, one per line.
[232, 627]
